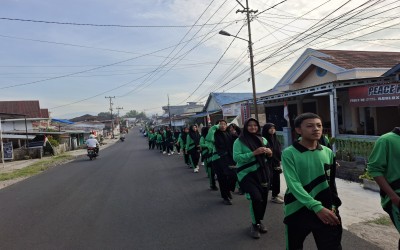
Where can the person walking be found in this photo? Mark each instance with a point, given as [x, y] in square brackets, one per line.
[274, 162]
[221, 142]
[384, 166]
[311, 198]
[193, 148]
[250, 153]
[169, 141]
[182, 144]
[205, 154]
[176, 138]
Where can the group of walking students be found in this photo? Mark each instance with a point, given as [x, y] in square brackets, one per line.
[251, 159]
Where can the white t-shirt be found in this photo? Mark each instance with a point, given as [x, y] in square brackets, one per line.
[92, 143]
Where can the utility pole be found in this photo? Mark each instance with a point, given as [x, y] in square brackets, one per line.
[111, 110]
[119, 120]
[253, 83]
[169, 113]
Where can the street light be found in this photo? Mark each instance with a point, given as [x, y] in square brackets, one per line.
[253, 83]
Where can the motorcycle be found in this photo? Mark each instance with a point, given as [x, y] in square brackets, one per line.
[122, 139]
[91, 153]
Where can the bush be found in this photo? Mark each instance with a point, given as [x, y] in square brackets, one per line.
[367, 176]
[53, 141]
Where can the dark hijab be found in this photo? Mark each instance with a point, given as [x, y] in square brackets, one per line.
[224, 144]
[184, 135]
[204, 131]
[254, 141]
[195, 135]
[273, 143]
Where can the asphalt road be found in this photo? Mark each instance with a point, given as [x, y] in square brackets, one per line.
[132, 198]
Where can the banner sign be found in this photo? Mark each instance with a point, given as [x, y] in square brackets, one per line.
[231, 110]
[8, 151]
[245, 112]
[375, 95]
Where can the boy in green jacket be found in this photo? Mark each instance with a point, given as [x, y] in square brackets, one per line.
[384, 166]
[311, 200]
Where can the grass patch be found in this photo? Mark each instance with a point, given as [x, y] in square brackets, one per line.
[383, 220]
[36, 167]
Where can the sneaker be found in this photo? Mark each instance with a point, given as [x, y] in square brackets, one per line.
[277, 200]
[254, 232]
[261, 228]
[196, 170]
[169, 154]
[202, 163]
[230, 195]
[172, 153]
[164, 153]
[227, 202]
[179, 153]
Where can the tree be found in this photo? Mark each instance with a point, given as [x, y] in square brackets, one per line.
[131, 114]
[104, 116]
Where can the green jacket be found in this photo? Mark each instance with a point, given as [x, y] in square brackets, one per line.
[246, 162]
[385, 161]
[210, 140]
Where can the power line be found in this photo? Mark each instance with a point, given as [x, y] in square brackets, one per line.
[102, 25]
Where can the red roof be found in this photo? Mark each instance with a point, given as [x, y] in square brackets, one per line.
[350, 59]
[29, 108]
[44, 113]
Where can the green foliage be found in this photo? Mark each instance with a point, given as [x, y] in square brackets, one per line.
[36, 168]
[104, 115]
[367, 176]
[135, 114]
[384, 220]
[53, 141]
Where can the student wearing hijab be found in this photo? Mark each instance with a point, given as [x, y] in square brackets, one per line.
[221, 141]
[274, 162]
[182, 144]
[176, 137]
[250, 153]
[169, 141]
[193, 147]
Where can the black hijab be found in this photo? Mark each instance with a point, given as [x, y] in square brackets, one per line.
[195, 135]
[273, 142]
[254, 141]
[204, 131]
[184, 135]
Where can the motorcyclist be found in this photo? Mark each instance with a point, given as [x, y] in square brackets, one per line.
[93, 143]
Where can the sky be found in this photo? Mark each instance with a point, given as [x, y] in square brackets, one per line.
[72, 55]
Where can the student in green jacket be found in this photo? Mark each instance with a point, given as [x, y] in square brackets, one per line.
[311, 199]
[205, 154]
[250, 152]
[182, 144]
[384, 166]
[193, 147]
[221, 142]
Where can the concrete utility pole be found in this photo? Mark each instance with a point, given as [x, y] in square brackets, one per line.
[111, 110]
[169, 113]
[253, 83]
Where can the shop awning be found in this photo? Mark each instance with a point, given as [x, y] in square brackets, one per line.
[62, 121]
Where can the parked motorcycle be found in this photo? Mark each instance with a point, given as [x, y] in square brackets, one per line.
[91, 153]
[122, 139]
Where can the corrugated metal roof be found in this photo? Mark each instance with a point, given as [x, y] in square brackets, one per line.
[350, 59]
[29, 108]
[227, 98]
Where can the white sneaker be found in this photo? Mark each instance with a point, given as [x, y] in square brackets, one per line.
[172, 152]
[179, 153]
[164, 153]
[202, 163]
[169, 154]
[196, 169]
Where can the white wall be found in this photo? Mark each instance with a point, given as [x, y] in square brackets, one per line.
[15, 125]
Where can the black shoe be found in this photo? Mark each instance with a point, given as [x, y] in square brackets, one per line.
[254, 232]
[227, 202]
[262, 229]
[230, 195]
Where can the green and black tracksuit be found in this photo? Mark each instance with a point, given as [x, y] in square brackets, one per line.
[206, 155]
[385, 161]
[221, 157]
[247, 171]
[193, 149]
[182, 143]
[310, 179]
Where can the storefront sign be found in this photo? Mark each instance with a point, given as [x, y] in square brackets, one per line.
[245, 112]
[375, 95]
[8, 151]
[231, 110]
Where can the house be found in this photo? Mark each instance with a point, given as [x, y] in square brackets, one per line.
[352, 91]
[226, 106]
